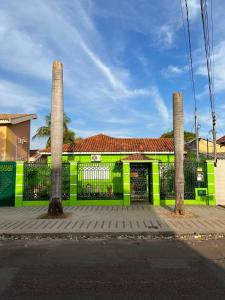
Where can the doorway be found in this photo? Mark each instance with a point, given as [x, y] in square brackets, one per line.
[140, 182]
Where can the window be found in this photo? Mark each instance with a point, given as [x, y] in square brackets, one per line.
[96, 173]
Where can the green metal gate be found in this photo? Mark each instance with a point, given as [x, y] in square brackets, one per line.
[139, 183]
[7, 183]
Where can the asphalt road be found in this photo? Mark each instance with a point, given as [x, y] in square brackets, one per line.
[112, 269]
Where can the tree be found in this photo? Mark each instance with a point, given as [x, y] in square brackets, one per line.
[45, 131]
[188, 136]
[57, 128]
[191, 156]
[178, 128]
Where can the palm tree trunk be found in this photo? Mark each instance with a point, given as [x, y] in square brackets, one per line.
[178, 129]
[55, 205]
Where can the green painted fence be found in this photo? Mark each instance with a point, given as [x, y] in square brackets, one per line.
[102, 181]
[37, 181]
[167, 179]
[7, 183]
[108, 184]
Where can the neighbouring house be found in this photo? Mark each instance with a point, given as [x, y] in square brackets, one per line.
[221, 141]
[220, 173]
[36, 157]
[15, 136]
[220, 178]
[205, 146]
[103, 170]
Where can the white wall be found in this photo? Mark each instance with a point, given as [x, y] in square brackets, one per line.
[220, 181]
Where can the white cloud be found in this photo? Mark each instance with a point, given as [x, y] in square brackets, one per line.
[193, 9]
[96, 84]
[174, 71]
[160, 105]
[219, 67]
[20, 52]
[165, 35]
[16, 98]
[120, 89]
[116, 84]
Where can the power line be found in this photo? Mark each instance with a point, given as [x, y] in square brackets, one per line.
[209, 63]
[190, 55]
[206, 36]
[185, 38]
[190, 63]
[212, 38]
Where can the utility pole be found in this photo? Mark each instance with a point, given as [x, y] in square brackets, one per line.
[214, 135]
[207, 148]
[197, 135]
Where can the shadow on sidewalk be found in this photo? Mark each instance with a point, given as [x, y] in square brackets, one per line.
[121, 268]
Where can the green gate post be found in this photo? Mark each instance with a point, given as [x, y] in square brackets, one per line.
[126, 183]
[155, 184]
[19, 183]
[73, 183]
[211, 182]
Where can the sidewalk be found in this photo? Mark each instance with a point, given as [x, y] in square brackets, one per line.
[137, 219]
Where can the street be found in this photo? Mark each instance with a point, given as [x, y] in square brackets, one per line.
[112, 269]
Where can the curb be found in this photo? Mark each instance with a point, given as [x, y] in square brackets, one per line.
[110, 236]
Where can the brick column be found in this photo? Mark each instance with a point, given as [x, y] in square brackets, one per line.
[155, 184]
[19, 183]
[126, 183]
[211, 182]
[73, 183]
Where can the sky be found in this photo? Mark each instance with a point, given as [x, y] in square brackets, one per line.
[122, 61]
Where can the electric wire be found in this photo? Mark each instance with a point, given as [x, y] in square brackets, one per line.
[185, 38]
[190, 56]
[190, 64]
[204, 16]
[213, 58]
[209, 54]
[186, 47]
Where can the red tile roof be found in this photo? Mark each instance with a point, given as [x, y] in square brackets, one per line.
[138, 156]
[103, 143]
[221, 140]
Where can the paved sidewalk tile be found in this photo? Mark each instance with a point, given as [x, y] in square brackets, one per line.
[113, 219]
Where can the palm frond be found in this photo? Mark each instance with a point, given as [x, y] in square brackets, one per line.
[42, 132]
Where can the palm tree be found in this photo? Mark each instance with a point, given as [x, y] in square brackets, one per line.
[68, 136]
[55, 205]
[45, 131]
[178, 128]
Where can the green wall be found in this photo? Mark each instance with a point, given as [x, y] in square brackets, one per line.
[154, 160]
[86, 158]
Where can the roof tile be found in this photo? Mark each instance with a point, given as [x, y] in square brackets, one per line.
[103, 143]
[221, 140]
